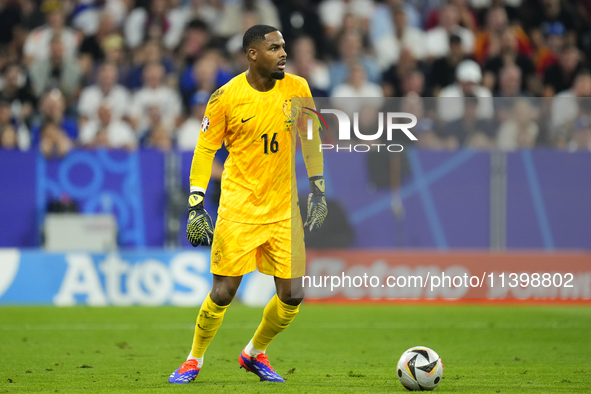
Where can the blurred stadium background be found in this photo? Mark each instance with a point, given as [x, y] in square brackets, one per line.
[100, 103]
[101, 100]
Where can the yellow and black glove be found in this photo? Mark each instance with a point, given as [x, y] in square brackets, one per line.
[199, 225]
[317, 209]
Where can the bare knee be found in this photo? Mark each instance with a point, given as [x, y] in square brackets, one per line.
[290, 291]
[224, 289]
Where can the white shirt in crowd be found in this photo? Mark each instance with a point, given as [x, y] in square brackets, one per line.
[38, 42]
[451, 103]
[509, 134]
[371, 93]
[188, 134]
[163, 97]
[388, 47]
[564, 109]
[332, 12]
[438, 41]
[119, 133]
[92, 97]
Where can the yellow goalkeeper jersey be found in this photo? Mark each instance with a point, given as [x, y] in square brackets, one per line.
[258, 183]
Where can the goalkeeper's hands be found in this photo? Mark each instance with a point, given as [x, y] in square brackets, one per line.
[199, 225]
[317, 208]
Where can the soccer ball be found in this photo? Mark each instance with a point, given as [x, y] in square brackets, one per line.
[419, 369]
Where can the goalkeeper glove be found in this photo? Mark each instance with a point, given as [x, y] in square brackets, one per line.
[199, 225]
[317, 209]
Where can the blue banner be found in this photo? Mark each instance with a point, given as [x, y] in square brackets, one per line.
[148, 277]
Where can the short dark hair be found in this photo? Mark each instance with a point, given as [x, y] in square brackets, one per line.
[256, 33]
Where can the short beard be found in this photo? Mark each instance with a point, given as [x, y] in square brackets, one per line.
[278, 75]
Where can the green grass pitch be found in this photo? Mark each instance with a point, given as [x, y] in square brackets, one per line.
[328, 349]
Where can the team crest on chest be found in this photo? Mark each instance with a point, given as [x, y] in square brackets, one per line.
[288, 114]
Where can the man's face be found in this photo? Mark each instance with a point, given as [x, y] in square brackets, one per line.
[153, 76]
[108, 76]
[4, 113]
[271, 55]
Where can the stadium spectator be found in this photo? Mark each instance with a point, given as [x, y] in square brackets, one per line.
[306, 65]
[560, 76]
[413, 83]
[350, 53]
[15, 89]
[581, 133]
[195, 39]
[207, 74]
[58, 72]
[299, 18]
[387, 48]
[12, 125]
[86, 15]
[54, 141]
[467, 17]
[443, 69]
[8, 133]
[188, 133]
[438, 37]
[8, 139]
[425, 129]
[488, 42]
[565, 108]
[383, 23]
[510, 82]
[39, 41]
[106, 131]
[150, 52]
[451, 103]
[470, 130]
[154, 100]
[157, 136]
[357, 86]
[114, 54]
[91, 49]
[509, 90]
[547, 46]
[158, 22]
[333, 12]
[264, 11]
[508, 55]
[519, 131]
[539, 13]
[208, 11]
[395, 81]
[106, 90]
[53, 110]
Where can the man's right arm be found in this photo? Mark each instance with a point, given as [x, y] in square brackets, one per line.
[211, 135]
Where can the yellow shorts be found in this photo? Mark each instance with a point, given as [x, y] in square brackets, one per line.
[274, 249]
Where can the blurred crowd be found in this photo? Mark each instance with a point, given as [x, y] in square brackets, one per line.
[138, 73]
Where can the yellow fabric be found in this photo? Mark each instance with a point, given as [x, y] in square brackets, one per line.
[276, 317]
[258, 183]
[209, 320]
[313, 155]
[201, 166]
[274, 249]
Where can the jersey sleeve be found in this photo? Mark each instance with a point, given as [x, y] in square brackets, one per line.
[213, 127]
[310, 147]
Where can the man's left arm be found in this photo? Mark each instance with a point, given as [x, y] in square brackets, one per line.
[317, 208]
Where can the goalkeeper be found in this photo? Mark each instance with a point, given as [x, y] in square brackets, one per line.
[259, 225]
